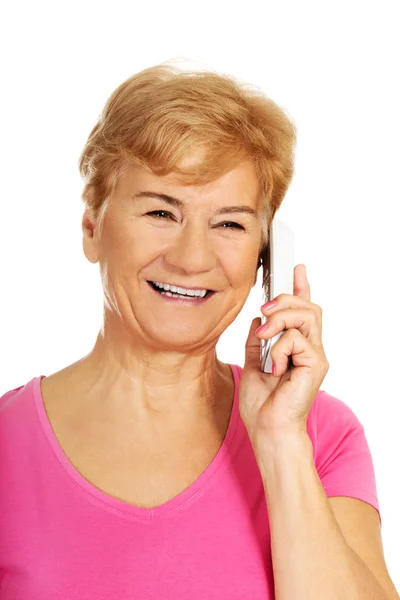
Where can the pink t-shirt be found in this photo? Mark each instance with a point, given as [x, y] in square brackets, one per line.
[62, 538]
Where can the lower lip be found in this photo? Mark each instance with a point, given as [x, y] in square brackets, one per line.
[182, 300]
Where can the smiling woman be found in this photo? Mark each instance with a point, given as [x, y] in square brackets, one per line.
[135, 470]
[190, 246]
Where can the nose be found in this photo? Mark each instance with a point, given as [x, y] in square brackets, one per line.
[192, 250]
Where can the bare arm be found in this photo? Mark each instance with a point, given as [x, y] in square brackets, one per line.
[310, 555]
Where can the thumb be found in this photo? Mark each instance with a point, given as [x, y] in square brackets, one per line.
[252, 347]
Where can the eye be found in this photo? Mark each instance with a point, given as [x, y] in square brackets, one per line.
[156, 212]
[232, 225]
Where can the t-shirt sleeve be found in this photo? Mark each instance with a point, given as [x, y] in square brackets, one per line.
[341, 452]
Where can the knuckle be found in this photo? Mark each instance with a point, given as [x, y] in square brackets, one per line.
[323, 361]
[318, 310]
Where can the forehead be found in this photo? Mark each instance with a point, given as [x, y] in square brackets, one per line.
[240, 184]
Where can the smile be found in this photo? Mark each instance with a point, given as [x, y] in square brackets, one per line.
[180, 298]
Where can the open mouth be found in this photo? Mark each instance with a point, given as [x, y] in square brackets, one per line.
[170, 294]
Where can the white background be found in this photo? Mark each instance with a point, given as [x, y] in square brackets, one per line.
[332, 66]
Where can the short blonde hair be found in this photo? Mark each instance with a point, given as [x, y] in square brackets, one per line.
[160, 115]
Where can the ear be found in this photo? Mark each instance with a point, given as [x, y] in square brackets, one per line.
[259, 263]
[89, 237]
[88, 222]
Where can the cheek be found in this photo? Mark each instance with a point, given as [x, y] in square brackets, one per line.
[243, 266]
[124, 242]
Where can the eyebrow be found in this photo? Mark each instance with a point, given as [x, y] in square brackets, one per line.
[179, 204]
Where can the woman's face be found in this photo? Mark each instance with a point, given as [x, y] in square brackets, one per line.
[191, 244]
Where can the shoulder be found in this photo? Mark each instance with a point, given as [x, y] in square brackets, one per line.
[338, 438]
[16, 409]
[330, 414]
[11, 397]
[334, 429]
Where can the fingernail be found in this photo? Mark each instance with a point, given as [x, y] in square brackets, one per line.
[269, 304]
[262, 328]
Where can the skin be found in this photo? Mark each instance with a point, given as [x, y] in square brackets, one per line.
[155, 361]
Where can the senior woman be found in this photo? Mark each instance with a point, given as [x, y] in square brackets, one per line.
[149, 468]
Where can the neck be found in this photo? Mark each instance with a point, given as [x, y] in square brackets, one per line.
[185, 388]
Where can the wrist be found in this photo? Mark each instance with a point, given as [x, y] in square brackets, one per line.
[284, 445]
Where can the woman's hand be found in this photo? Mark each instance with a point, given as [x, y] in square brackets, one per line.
[274, 405]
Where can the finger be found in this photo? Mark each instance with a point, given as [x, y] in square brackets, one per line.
[285, 301]
[291, 301]
[252, 364]
[292, 345]
[301, 286]
[252, 346]
[307, 321]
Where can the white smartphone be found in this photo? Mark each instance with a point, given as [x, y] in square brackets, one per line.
[278, 262]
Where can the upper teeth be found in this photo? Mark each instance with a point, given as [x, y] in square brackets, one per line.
[179, 290]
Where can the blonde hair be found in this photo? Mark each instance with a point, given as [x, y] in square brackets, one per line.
[160, 115]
